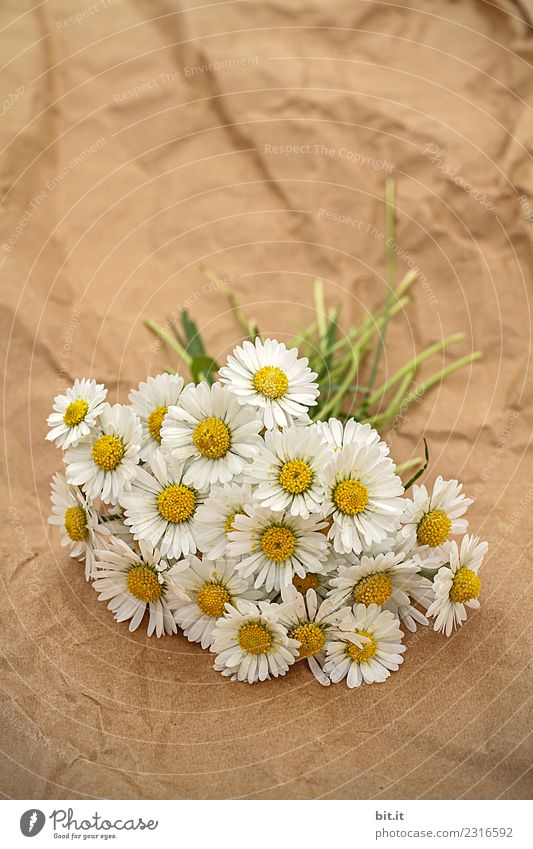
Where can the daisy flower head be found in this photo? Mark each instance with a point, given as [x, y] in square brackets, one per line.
[275, 546]
[76, 412]
[288, 471]
[212, 432]
[216, 515]
[77, 520]
[251, 644]
[386, 580]
[337, 435]
[312, 624]
[429, 520]
[134, 582]
[210, 585]
[273, 380]
[105, 462]
[456, 585]
[151, 401]
[367, 647]
[161, 508]
[362, 497]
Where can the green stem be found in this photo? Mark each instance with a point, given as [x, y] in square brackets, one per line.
[302, 337]
[389, 233]
[335, 402]
[371, 319]
[437, 378]
[347, 339]
[396, 402]
[168, 339]
[320, 307]
[406, 282]
[341, 365]
[378, 323]
[246, 325]
[408, 465]
[413, 364]
[354, 355]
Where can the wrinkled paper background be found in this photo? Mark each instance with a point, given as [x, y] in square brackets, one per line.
[142, 140]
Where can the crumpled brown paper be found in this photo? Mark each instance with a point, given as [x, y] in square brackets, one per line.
[142, 141]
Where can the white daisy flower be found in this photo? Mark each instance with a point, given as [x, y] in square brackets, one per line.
[362, 497]
[210, 585]
[288, 471]
[337, 435]
[161, 507]
[76, 412]
[151, 402]
[388, 580]
[213, 432]
[77, 520]
[135, 582]
[275, 546]
[457, 584]
[429, 520]
[251, 644]
[273, 379]
[214, 519]
[366, 647]
[312, 625]
[104, 463]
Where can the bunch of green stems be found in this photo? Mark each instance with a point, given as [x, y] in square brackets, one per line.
[338, 358]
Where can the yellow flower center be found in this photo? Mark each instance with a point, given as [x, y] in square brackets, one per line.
[433, 528]
[254, 638]
[295, 476]
[76, 523]
[211, 599]
[466, 585]
[310, 582]
[176, 503]
[211, 437]
[271, 382]
[361, 655]
[373, 589]
[76, 412]
[155, 420]
[351, 497]
[278, 543]
[107, 452]
[228, 527]
[311, 636]
[144, 584]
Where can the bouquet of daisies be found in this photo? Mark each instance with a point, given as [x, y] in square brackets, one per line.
[222, 509]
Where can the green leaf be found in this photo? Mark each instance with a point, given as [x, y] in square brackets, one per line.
[331, 334]
[195, 345]
[176, 333]
[421, 470]
[203, 368]
[168, 340]
[330, 337]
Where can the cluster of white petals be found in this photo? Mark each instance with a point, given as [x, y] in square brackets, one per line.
[222, 511]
